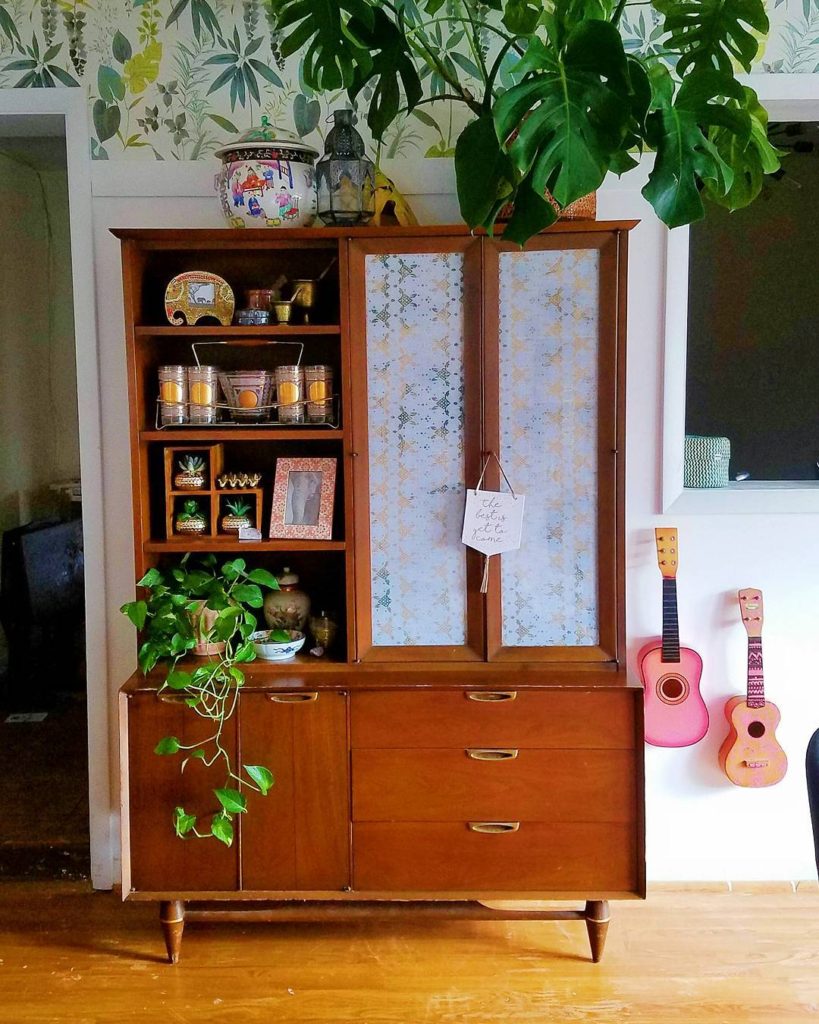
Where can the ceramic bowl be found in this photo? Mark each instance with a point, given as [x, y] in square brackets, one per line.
[271, 650]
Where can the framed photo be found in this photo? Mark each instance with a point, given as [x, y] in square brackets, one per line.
[303, 496]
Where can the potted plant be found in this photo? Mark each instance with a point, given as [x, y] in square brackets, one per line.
[556, 100]
[191, 475]
[191, 519]
[237, 515]
[170, 620]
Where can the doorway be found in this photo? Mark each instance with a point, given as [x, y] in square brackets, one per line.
[70, 756]
[43, 731]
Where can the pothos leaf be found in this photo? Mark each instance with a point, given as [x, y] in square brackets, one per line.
[222, 829]
[167, 745]
[183, 822]
[262, 776]
[232, 800]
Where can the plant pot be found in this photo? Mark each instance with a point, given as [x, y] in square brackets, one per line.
[189, 481]
[192, 526]
[584, 208]
[203, 621]
[232, 524]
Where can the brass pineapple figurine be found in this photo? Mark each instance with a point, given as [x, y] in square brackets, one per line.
[237, 516]
[191, 475]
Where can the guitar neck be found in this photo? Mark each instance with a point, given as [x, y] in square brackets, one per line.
[671, 628]
[756, 681]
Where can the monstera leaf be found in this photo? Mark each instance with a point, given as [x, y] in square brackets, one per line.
[334, 56]
[750, 160]
[572, 114]
[485, 175]
[713, 33]
[390, 61]
[685, 155]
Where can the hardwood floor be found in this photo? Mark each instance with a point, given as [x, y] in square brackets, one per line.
[748, 957]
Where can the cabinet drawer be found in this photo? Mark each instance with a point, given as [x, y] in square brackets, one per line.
[466, 718]
[433, 784]
[537, 857]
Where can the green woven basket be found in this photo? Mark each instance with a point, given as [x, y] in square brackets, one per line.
[706, 461]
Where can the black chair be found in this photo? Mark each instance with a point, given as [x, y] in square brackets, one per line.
[812, 769]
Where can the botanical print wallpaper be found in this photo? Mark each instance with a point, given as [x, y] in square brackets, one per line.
[173, 79]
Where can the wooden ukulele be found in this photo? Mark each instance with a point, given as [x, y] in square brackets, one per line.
[751, 754]
[676, 715]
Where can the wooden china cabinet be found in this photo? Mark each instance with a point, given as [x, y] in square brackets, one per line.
[455, 748]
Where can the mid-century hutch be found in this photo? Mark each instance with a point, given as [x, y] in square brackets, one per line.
[456, 752]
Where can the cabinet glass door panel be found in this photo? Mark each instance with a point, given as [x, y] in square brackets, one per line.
[553, 345]
[421, 359]
[548, 444]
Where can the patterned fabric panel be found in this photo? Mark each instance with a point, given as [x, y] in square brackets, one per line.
[415, 355]
[548, 405]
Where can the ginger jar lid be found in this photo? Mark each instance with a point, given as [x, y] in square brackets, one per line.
[268, 135]
[287, 578]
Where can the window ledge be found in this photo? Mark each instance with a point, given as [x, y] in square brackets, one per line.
[750, 497]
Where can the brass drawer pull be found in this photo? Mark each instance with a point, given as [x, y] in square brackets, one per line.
[491, 755]
[173, 698]
[292, 698]
[493, 827]
[492, 696]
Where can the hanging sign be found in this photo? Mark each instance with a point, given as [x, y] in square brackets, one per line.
[493, 520]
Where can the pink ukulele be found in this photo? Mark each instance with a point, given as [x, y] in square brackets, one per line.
[751, 754]
[676, 715]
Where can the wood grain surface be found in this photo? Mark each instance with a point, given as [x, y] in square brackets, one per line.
[699, 958]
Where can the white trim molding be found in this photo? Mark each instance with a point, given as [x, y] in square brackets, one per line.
[787, 98]
[71, 104]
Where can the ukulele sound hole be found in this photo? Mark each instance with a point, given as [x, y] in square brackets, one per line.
[672, 689]
[756, 729]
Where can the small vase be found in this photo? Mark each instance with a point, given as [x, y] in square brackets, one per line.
[288, 607]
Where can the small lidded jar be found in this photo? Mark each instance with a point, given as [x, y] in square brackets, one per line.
[288, 607]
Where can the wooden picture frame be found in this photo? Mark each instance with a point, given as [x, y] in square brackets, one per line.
[303, 496]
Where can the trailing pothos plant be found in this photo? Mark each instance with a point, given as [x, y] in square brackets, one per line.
[557, 100]
[204, 604]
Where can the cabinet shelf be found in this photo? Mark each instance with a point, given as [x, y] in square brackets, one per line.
[205, 544]
[225, 432]
[235, 331]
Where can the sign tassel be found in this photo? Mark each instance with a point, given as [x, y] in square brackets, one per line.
[485, 578]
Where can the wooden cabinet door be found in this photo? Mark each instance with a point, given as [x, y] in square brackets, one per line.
[159, 860]
[554, 366]
[297, 837]
[415, 331]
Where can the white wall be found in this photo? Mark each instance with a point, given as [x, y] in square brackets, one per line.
[699, 825]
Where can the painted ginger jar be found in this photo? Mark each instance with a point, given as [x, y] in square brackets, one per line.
[267, 180]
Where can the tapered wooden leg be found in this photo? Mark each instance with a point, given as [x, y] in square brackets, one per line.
[172, 919]
[597, 924]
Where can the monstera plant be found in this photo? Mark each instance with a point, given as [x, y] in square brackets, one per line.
[557, 100]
